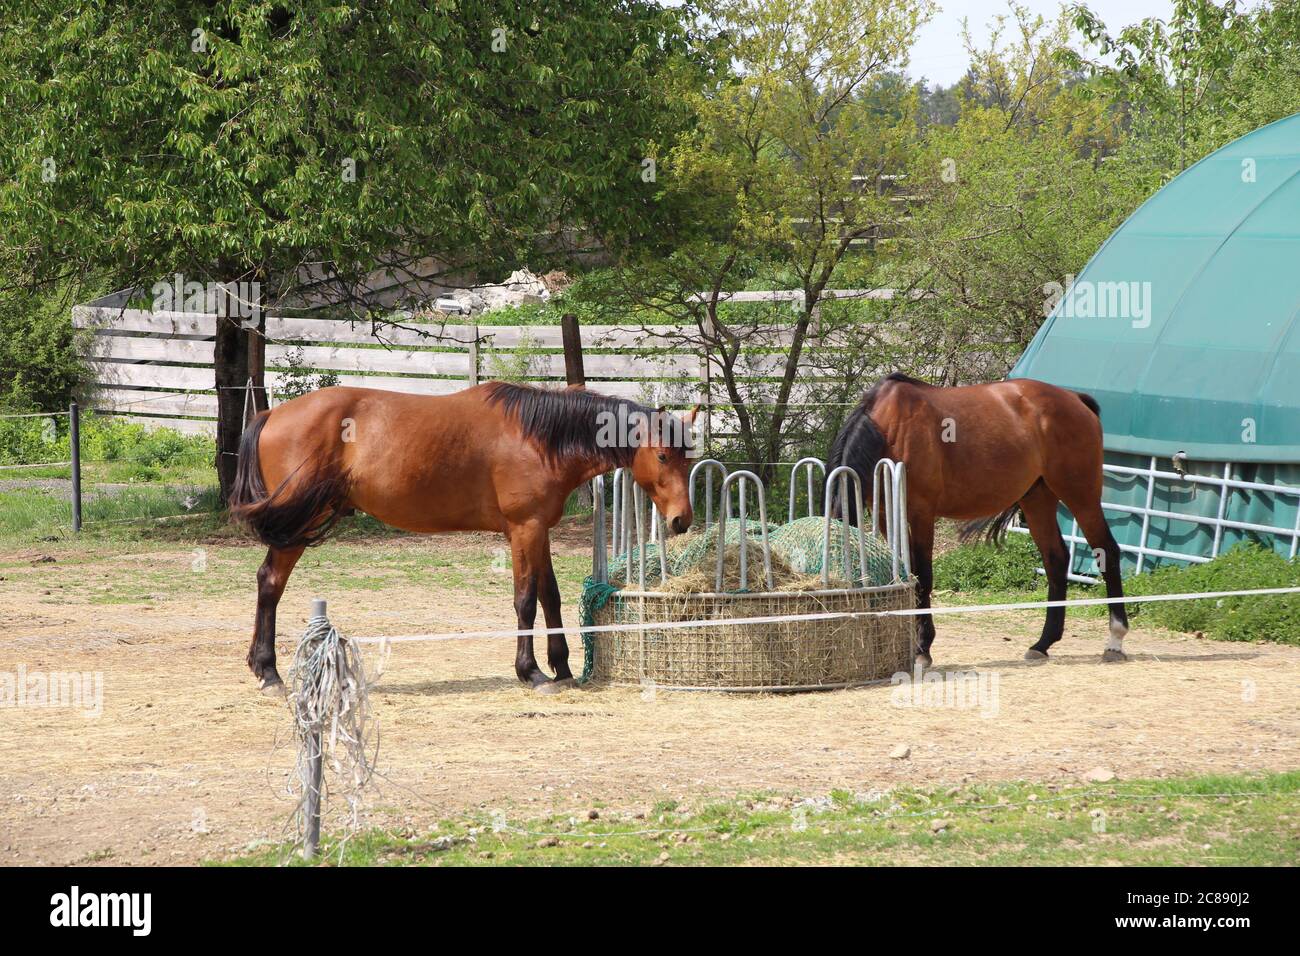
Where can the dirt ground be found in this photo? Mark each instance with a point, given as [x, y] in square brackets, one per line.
[189, 762]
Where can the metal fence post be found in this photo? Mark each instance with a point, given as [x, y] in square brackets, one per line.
[311, 840]
[74, 441]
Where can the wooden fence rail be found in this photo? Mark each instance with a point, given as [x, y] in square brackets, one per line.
[156, 367]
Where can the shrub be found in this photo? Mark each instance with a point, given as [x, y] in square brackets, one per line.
[984, 567]
[39, 366]
[296, 379]
[1245, 567]
[28, 441]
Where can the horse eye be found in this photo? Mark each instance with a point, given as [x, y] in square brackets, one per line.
[663, 457]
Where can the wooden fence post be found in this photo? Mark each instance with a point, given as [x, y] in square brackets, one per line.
[574, 374]
[572, 336]
[473, 353]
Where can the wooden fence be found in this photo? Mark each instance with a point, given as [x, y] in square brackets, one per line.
[156, 367]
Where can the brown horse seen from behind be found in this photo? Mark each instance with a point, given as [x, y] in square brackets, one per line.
[979, 453]
[495, 457]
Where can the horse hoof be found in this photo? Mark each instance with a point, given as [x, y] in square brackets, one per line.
[923, 660]
[272, 687]
[565, 683]
[1111, 655]
[1034, 654]
[548, 688]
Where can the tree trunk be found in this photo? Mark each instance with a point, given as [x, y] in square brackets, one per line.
[230, 361]
[791, 370]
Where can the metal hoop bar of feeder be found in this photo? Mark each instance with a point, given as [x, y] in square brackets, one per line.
[846, 475]
[600, 553]
[657, 525]
[629, 522]
[889, 484]
[810, 464]
[740, 477]
[616, 525]
[625, 526]
[623, 537]
[638, 506]
[708, 465]
[904, 531]
[883, 512]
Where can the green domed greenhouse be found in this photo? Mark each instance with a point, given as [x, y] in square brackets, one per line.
[1185, 326]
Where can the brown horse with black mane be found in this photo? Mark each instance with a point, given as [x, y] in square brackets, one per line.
[495, 457]
[989, 450]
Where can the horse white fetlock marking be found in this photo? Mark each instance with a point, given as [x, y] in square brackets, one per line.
[1116, 640]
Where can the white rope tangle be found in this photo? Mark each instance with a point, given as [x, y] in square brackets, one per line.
[331, 709]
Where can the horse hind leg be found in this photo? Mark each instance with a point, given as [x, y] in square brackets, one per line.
[272, 577]
[1039, 508]
[1106, 549]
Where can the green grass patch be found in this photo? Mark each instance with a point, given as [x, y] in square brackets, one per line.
[107, 565]
[1010, 567]
[26, 441]
[1246, 567]
[31, 514]
[1209, 820]
[984, 574]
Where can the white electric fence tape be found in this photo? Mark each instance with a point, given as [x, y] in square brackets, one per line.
[826, 616]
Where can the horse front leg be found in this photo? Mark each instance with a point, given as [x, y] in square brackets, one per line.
[922, 534]
[557, 647]
[272, 577]
[1039, 509]
[527, 578]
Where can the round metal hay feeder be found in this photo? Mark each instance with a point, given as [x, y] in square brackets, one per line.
[776, 656]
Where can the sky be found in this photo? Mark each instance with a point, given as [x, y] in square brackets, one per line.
[940, 56]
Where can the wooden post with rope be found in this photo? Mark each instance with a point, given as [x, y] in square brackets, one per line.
[315, 767]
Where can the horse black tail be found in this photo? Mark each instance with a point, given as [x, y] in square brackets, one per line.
[281, 519]
[993, 529]
[1090, 402]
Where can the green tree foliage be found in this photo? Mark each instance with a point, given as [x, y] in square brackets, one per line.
[798, 113]
[1015, 196]
[318, 141]
[39, 370]
[1187, 84]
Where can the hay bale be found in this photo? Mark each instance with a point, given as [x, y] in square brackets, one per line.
[703, 576]
[694, 555]
[796, 550]
[800, 545]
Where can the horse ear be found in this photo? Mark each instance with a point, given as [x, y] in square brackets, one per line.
[689, 417]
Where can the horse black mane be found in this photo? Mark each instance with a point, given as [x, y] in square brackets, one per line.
[860, 443]
[566, 422]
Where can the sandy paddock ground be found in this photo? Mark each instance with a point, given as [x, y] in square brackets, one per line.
[188, 761]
